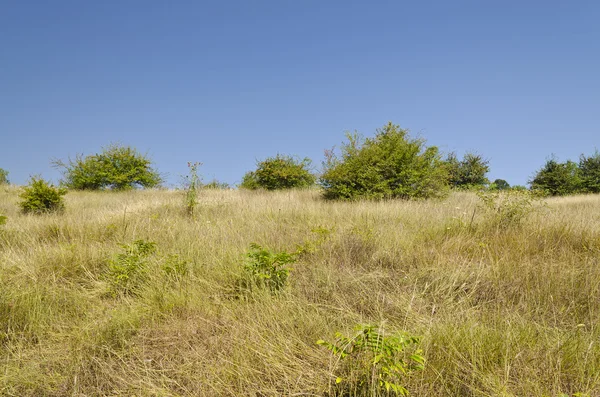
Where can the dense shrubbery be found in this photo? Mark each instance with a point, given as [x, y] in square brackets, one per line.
[117, 167]
[279, 172]
[40, 197]
[390, 165]
[589, 168]
[470, 172]
[3, 177]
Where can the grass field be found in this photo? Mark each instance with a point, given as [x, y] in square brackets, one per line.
[509, 310]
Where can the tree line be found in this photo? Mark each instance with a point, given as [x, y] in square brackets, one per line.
[389, 165]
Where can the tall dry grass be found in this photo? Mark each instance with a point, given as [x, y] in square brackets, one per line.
[512, 311]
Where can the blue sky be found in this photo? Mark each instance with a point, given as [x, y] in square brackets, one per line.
[227, 83]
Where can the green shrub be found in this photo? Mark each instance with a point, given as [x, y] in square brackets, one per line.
[589, 168]
[3, 219]
[468, 173]
[390, 165]
[499, 184]
[279, 172]
[557, 179]
[128, 271]
[216, 185]
[372, 363]
[266, 269]
[507, 208]
[40, 197]
[4, 177]
[116, 167]
[193, 183]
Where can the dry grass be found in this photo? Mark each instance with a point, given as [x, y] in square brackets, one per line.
[501, 311]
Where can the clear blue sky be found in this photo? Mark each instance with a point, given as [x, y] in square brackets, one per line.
[227, 83]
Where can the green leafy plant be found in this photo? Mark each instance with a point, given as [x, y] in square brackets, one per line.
[193, 183]
[499, 184]
[372, 363]
[468, 173]
[266, 269]
[390, 165]
[279, 172]
[128, 270]
[589, 167]
[174, 267]
[4, 177]
[509, 207]
[216, 185]
[40, 197]
[116, 167]
[3, 219]
[557, 179]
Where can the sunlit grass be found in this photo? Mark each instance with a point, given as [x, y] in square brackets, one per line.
[501, 311]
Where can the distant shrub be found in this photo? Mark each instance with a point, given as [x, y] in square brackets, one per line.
[216, 185]
[41, 197]
[557, 179]
[192, 184]
[279, 172]
[128, 271]
[266, 269]
[589, 168]
[499, 184]
[507, 208]
[4, 177]
[373, 363]
[116, 167]
[390, 165]
[3, 219]
[470, 172]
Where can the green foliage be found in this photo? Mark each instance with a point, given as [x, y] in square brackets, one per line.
[4, 177]
[216, 185]
[266, 269]
[3, 219]
[373, 363]
[193, 183]
[174, 267]
[128, 271]
[507, 208]
[499, 184]
[557, 179]
[279, 172]
[390, 165]
[41, 197]
[117, 168]
[589, 168]
[467, 173]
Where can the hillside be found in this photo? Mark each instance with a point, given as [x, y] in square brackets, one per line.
[510, 310]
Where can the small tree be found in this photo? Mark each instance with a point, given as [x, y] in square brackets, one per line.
[279, 172]
[557, 179]
[116, 167]
[41, 197]
[4, 177]
[469, 172]
[589, 168]
[390, 165]
[500, 184]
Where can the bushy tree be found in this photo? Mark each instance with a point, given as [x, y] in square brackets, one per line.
[116, 167]
[279, 172]
[500, 184]
[40, 197]
[3, 177]
[589, 168]
[557, 179]
[469, 172]
[389, 165]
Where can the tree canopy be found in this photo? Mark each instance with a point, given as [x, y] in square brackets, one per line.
[116, 167]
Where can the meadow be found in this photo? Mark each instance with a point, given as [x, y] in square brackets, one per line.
[499, 309]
